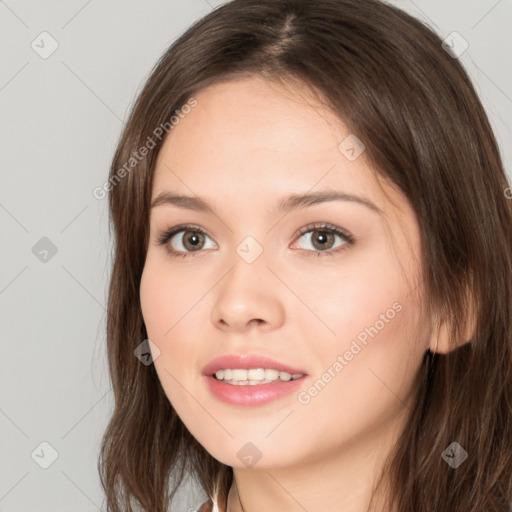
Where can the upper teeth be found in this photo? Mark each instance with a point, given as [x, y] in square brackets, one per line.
[254, 375]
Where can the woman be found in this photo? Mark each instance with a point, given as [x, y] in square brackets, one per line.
[375, 377]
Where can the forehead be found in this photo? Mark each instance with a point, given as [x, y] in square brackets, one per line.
[251, 138]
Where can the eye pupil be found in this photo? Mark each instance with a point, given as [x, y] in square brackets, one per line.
[194, 239]
[323, 237]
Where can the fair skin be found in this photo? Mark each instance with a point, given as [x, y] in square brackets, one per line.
[248, 144]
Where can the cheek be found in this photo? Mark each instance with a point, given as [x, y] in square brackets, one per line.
[364, 377]
[353, 296]
[372, 313]
[153, 301]
[165, 297]
[169, 309]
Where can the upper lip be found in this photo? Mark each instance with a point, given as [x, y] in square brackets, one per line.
[247, 361]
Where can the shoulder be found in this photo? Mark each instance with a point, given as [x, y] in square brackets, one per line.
[206, 507]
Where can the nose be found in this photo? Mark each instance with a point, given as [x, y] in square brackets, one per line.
[248, 296]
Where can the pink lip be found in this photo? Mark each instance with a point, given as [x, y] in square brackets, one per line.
[247, 361]
[250, 395]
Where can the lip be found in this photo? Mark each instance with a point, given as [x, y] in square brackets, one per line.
[250, 395]
[246, 362]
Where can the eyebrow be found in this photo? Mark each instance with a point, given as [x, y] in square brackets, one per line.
[287, 204]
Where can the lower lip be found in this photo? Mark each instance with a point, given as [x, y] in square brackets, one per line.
[252, 395]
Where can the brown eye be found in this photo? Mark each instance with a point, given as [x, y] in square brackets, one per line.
[323, 239]
[183, 240]
[191, 240]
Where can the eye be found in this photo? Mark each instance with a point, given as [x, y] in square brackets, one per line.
[323, 237]
[192, 241]
[194, 238]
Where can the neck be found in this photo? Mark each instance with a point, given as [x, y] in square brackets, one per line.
[345, 479]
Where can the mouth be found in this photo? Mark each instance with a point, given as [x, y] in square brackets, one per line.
[250, 368]
[250, 380]
[253, 376]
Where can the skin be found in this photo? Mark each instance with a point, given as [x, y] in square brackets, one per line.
[247, 144]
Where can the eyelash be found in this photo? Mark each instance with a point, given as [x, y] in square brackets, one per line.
[329, 228]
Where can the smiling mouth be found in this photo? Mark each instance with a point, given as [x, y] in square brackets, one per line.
[253, 376]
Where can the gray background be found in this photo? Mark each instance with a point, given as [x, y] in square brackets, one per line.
[61, 118]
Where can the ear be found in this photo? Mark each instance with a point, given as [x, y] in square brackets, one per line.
[440, 341]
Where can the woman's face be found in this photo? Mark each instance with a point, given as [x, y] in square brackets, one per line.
[344, 309]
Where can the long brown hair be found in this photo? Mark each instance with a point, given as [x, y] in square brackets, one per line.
[388, 78]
